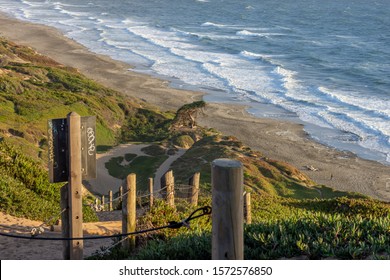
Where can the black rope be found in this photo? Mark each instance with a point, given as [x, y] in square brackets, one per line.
[173, 225]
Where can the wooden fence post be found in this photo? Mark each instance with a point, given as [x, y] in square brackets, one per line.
[151, 198]
[129, 211]
[248, 208]
[227, 205]
[168, 181]
[194, 194]
[103, 203]
[110, 201]
[75, 185]
[65, 229]
[120, 195]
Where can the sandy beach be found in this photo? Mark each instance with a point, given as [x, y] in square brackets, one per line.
[277, 139]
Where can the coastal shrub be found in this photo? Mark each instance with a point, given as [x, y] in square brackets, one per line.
[25, 170]
[193, 246]
[25, 190]
[184, 141]
[350, 206]
[279, 232]
[145, 126]
[317, 235]
[187, 114]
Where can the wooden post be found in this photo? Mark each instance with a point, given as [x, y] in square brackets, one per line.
[96, 204]
[75, 187]
[168, 181]
[103, 203]
[227, 216]
[129, 211]
[151, 198]
[120, 195]
[65, 229]
[194, 194]
[110, 201]
[248, 208]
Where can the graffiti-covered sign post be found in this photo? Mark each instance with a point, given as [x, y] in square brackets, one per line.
[59, 150]
[72, 158]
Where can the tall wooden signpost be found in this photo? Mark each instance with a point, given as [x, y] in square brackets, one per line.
[72, 157]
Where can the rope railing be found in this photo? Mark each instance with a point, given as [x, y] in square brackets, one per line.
[206, 210]
[100, 206]
[141, 196]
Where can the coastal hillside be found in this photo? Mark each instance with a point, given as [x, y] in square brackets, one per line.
[292, 214]
[35, 88]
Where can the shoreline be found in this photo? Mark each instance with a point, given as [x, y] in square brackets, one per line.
[278, 139]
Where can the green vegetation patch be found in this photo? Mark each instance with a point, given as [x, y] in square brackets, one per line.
[183, 141]
[143, 166]
[282, 228]
[130, 157]
[154, 150]
[145, 126]
[25, 190]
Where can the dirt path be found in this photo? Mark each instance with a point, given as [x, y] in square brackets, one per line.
[164, 167]
[21, 249]
[104, 181]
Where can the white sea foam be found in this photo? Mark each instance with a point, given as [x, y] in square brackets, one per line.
[249, 33]
[370, 104]
[256, 34]
[34, 4]
[213, 24]
[251, 55]
[221, 26]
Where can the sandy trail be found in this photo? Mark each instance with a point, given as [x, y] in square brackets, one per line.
[164, 167]
[21, 249]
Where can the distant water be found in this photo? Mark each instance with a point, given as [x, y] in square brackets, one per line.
[326, 62]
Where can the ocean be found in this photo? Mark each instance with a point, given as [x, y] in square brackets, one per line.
[325, 64]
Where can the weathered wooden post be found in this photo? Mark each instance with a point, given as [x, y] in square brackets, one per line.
[96, 204]
[103, 203]
[120, 195]
[227, 205]
[75, 185]
[110, 201]
[194, 194]
[129, 211]
[247, 208]
[168, 181]
[151, 198]
[72, 158]
[65, 229]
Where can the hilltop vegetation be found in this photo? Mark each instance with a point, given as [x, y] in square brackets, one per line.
[292, 215]
[33, 89]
